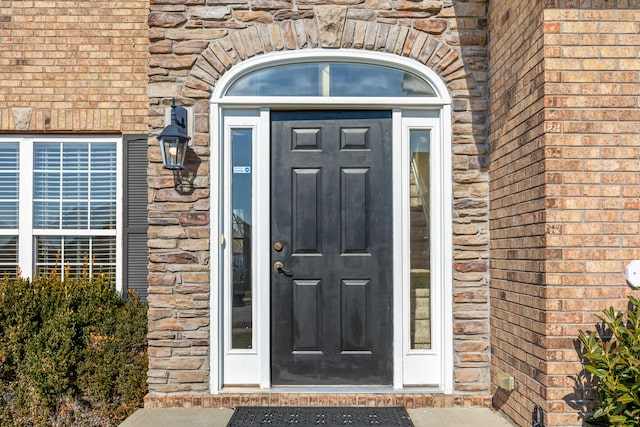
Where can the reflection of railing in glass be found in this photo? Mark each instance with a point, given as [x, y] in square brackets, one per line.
[420, 274]
[242, 296]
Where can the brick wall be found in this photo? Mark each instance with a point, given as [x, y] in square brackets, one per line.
[73, 66]
[564, 191]
[517, 203]
[592, 165]
[193, 44]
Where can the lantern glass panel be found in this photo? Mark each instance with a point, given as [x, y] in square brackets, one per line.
[172, 153]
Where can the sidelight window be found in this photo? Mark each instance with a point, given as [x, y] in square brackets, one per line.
[242, 193]
[420, 244]
[244, 290]
[425, 247]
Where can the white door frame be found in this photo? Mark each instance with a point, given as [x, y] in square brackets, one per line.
[433, 113]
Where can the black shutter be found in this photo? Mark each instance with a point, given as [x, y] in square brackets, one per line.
[135, 214]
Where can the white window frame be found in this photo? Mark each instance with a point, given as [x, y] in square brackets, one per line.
[414, 360]
[25, 231]
[417, 112]
[246, 366]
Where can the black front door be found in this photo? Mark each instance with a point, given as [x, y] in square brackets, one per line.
[332, 297]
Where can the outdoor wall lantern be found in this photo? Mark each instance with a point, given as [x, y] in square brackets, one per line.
[173, 139]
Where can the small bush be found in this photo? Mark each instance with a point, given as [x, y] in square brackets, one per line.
[72, 352]
[614, 363]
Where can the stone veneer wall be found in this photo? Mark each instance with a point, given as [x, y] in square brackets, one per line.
[74, 66]
[194, 42]
[564, 190]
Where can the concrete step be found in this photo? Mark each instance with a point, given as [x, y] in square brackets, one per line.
[427, 417]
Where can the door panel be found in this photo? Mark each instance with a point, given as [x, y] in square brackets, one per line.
[355, 294]
[306, 205]
[331, 304]
[355, 224]
[307, 315]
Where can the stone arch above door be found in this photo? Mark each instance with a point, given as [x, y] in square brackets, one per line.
[326, 29]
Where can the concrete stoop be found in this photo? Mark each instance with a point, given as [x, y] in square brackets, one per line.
[425, 417]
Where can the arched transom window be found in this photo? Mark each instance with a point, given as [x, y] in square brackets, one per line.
[327, 76]
[337, 79]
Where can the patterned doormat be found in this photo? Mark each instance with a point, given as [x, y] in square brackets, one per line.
[245, 416]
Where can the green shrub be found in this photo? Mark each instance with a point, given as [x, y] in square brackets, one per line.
[614, 363]
[72, 352]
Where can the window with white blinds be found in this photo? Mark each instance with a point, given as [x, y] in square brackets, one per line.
[60, 205]
[74, 188]
[9, 207]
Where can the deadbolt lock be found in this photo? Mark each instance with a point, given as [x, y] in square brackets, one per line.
[278, 246]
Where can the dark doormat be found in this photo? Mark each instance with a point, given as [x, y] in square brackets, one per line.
[245, 416]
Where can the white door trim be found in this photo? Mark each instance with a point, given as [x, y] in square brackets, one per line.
[437, 109]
